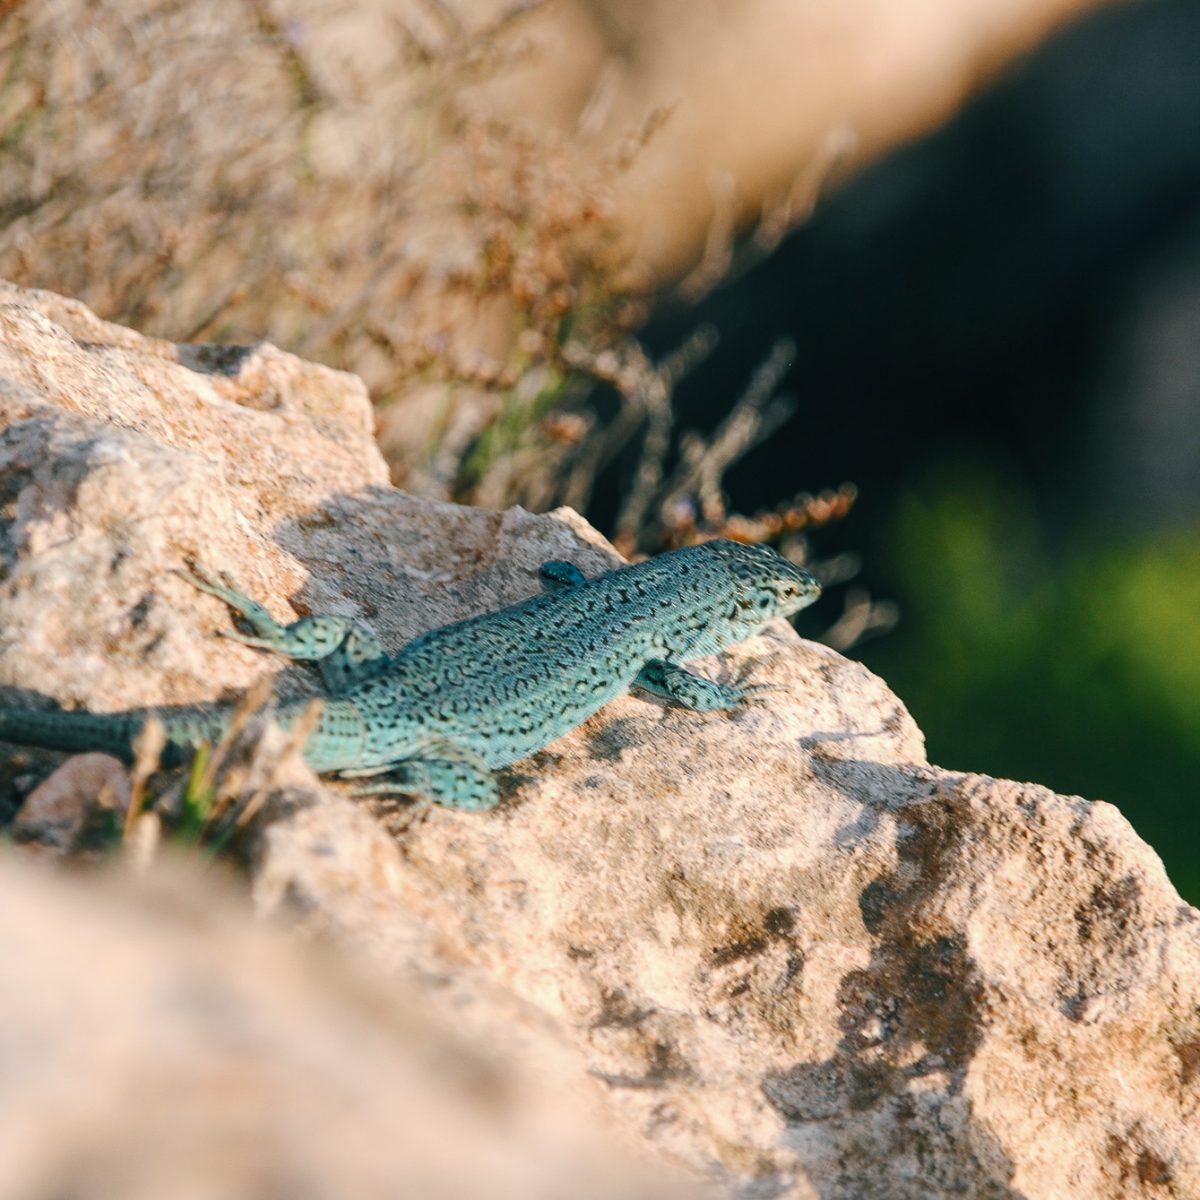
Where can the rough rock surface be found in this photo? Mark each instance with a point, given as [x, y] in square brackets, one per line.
[793, 956]
[156, 1044]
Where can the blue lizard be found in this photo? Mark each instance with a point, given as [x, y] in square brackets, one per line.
[435, 719]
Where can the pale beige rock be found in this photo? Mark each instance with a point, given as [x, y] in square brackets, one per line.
[796, 959]
[125, 454]
[805, 958]
[154, 1044]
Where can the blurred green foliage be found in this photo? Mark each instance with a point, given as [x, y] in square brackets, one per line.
[1076, 665]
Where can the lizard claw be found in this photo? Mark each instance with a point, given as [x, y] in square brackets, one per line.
[245, 639]
[214, 583]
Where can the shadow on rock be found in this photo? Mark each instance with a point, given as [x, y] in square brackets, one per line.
[889, 1104]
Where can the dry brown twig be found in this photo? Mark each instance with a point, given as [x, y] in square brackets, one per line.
[172, 168]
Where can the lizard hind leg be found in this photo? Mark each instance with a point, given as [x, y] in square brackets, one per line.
[346, 652]
[558, 575]
[448, 774]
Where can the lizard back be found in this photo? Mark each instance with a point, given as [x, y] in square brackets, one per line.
[507, 683]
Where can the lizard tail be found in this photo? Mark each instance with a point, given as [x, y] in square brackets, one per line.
[113, 733]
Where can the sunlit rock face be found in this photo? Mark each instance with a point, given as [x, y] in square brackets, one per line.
[775, 950]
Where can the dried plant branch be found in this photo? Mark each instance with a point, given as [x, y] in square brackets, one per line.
[754, 417]
[861, 618]
[146, 182]
[634, 378]
[656, 506]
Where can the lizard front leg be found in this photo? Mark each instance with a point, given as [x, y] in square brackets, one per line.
[345, 651]
[681, 687]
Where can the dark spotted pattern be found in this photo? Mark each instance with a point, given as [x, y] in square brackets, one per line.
[507, 683]
[483, 693]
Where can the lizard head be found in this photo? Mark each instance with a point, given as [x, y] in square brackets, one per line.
[765, 584]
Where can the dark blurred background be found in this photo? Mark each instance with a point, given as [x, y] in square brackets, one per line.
[998, 341]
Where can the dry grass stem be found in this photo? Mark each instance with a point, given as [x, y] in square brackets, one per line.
[298, 734]
[249, 705]
[148, 747]
[141, 849]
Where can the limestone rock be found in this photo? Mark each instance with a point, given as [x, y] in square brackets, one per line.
[798, 959]
[155, 1044]
[794, 957]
